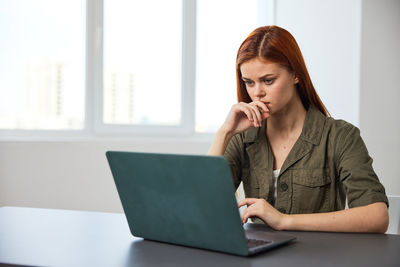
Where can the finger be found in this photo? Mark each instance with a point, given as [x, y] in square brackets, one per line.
[258, 113]
[251, 113]
[246, 111]
[263, 109]
[247, 201]
[248, 213]
[244, 218]
[261, 105]
[265, 115]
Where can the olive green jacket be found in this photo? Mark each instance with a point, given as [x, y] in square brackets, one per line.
[328, 163]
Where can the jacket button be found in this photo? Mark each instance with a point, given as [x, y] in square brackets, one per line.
[282, 210]
[284, 187]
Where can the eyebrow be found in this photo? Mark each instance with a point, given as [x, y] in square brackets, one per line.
[260, 78]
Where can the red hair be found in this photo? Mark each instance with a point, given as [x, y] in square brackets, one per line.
[276, 44]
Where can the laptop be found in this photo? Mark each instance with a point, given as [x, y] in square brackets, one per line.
[185, 200]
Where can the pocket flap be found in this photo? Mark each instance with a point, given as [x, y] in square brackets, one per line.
[311, 178]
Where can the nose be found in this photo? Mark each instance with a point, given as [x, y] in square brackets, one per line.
[259, 90]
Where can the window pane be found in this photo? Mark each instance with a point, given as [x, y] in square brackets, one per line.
[42, 69]
[221, 28]
[142, 62]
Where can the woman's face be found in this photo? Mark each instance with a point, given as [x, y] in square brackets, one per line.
[269, 83]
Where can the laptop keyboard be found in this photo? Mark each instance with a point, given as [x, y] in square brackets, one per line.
[251, 243]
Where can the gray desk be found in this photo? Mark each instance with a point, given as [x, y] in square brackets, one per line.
[44, 237]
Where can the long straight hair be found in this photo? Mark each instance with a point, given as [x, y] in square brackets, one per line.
[275, 44]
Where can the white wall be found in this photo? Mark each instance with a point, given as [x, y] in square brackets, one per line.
[71, 175]
[75, 175]
[328, 33]
[380, 88]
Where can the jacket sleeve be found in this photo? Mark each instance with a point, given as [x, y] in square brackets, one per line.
[355, 170]
[233, 154]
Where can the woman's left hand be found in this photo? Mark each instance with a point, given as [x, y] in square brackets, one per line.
[260, 208]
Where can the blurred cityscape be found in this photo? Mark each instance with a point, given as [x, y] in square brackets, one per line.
[44, 99]
[119, 97]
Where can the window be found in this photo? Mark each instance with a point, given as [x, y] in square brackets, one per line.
[142, 62]
[42, 64]
[149, 67]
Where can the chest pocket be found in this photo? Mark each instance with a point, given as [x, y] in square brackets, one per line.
[311, 191]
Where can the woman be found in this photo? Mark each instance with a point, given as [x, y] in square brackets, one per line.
[297, 163]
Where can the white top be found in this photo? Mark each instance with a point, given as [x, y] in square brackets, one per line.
[276, 174]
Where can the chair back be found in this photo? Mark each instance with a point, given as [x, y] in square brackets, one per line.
[394, 215]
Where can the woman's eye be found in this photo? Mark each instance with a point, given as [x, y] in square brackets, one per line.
[269, 81]
[249, 83]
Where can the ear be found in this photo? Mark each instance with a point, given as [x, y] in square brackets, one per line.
[296, 80]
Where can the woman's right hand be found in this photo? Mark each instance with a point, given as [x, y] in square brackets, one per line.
[244, 115]
[241, 117]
